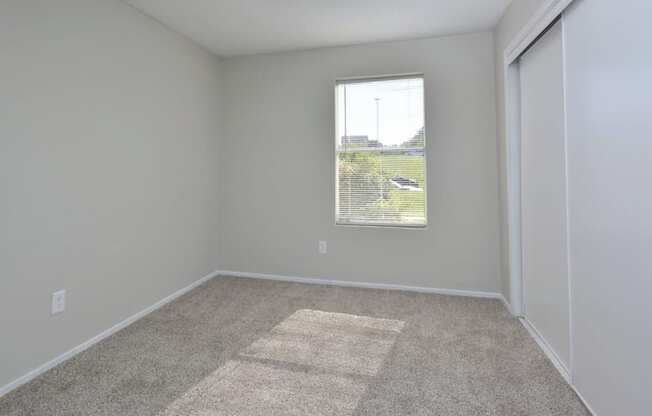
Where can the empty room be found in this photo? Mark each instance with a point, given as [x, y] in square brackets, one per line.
[325, 208]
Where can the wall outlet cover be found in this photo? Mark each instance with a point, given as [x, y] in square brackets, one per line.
[58, 302]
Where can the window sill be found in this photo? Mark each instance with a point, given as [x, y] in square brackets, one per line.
[384, 226]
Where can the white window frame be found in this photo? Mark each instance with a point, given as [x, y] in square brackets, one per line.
[371, 78]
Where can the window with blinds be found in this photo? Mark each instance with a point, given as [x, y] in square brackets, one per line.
[381, 152]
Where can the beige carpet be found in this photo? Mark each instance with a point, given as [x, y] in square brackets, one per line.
[238, 347]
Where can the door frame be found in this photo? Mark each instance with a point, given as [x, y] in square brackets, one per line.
[547, 13]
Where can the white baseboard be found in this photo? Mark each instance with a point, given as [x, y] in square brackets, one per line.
[584, 402]
[507, 305]
[554, 358]
[87, 344]
[366, 285]
[317, 281]
[547, 349]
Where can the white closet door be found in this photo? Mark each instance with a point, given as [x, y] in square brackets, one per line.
[543, 193]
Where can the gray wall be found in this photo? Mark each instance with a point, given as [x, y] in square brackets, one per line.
[278, 167]
[516, 16]
[109, 125]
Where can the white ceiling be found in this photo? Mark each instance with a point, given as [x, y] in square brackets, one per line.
[240, 27]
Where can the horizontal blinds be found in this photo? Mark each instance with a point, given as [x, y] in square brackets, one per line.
[381, 169]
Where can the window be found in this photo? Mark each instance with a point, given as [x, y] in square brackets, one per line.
[380, 147]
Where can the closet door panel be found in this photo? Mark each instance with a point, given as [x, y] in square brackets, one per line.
[543, 193]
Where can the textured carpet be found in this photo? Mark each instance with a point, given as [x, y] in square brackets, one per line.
[241, 347]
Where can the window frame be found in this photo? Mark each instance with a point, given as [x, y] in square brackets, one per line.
[375, 78]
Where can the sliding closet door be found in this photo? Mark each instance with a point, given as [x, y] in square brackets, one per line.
[543, 193]
[609, 102]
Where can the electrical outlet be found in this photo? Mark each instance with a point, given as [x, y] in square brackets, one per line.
[58, 302]
[323, 247]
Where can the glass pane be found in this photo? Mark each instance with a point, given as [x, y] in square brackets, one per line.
[378, 114]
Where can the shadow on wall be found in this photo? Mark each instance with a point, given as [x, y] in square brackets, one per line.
[313, 362]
